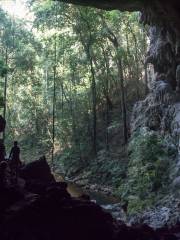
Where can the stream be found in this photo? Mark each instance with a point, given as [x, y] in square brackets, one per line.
[77, 191]
[155, 218]
[110, 204]
[99, 197]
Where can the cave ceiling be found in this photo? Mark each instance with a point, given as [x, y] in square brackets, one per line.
[125, 5]
[163, 17]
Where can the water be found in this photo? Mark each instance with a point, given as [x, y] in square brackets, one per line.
[100, 198]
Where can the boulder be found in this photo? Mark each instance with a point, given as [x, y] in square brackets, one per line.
[9, 196]
[53, 216]
[37, 171]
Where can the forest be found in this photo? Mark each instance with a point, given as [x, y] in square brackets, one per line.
[69, 80]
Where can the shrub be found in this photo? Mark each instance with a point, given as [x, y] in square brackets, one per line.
[148, 170]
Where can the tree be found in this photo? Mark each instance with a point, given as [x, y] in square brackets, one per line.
[112, 38]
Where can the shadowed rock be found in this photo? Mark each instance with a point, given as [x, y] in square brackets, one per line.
[38, 170]
[53, 214]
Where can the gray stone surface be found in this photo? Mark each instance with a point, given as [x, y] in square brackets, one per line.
[166, 213]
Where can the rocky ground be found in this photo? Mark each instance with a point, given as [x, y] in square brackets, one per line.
[165, 214]
[41, 209]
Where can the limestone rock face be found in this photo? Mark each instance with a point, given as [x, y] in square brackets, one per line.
[155, 112]
[162, 54]
[160, 112]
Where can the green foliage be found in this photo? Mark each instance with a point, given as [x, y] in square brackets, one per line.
[105, 171]
[148, 170]
[71, 162]
[26, 58]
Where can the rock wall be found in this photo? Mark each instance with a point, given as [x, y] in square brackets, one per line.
[160, 111]
[164, 52]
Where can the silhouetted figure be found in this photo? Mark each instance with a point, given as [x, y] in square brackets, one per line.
[2, 150]
[2, 124]
[3, 168]
[15, 161]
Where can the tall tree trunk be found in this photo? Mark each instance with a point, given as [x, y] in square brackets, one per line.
[93, 89]
[115, 42]
[107, 98]
[53, 114]
[54, 92]
[128, 56]
[5, 91]
[62, 99]
[136, 60]
[113, 39]
[88, 49]
[123, 104]
[75, 127]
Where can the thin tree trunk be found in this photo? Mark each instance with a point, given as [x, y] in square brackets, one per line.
[114, 41]
[62, 99]
[87, 46]
[123, 105]
[128, 56]
[75, 126]
[136, 60]
[5, 91]
[107, 98]
[54, 93]
[93, 88]
[53, 124]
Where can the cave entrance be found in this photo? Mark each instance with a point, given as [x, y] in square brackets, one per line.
[69, 78]
[71, 75]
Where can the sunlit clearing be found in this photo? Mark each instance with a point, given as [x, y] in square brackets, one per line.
[16, 8]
